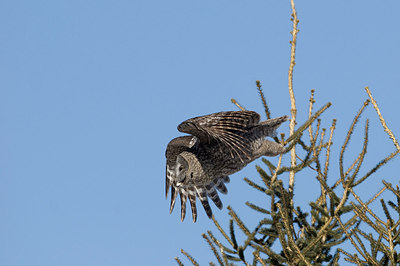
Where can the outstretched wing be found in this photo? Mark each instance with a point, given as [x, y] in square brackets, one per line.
[226, 128]
[201, 192]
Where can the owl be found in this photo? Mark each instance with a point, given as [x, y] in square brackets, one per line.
[220, 144]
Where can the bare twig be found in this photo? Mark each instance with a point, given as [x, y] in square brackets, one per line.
[387, 130]
[312, 101]
[293, 109]
[237, 104]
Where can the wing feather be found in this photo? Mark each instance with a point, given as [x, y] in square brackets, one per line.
[202, 194]
[192, 200]
[224, 127]
[213, 194]
[174, 193]
[184, 196]
[221, 187]
[226, 179]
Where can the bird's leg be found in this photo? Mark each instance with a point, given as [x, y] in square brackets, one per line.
[269, 148]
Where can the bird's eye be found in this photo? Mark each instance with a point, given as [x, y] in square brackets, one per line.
[180, 168]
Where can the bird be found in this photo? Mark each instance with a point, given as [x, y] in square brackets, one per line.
[218, 145]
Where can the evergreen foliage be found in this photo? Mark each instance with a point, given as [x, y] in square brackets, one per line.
[289, 235]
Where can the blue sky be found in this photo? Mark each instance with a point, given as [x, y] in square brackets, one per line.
[91, 92]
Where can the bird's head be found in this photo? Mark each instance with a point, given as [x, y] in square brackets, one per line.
[181, 169]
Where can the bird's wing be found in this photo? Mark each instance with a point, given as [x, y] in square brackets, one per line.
[226, 128]
[202, 192]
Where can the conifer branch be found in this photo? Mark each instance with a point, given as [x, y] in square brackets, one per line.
[260, 91]
[256, 254]
[349, 133]
[307, 123]
[213, 249]
[192, 260]
[360, 157]
[178, 261]
[379, 165]
[232, 233]
[239, 222]
[222, 231]
[309, 238]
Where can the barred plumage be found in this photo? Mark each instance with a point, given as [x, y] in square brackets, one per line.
[220, 144]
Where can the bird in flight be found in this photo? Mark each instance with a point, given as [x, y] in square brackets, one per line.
[219, 144]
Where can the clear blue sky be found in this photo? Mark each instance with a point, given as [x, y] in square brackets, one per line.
[92, 91]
